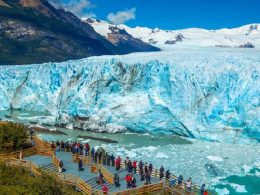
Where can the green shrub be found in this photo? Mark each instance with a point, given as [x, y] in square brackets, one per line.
[13, 133]
[17, 181]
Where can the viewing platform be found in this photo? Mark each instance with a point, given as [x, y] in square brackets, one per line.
[42, 158]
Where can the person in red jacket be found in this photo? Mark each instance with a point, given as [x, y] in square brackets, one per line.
[205, 192]
[118, 162]
[87, 149]
[105, 189]
[134, 166]
[128, 180]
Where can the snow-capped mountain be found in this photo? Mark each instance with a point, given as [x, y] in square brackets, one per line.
[247, 36]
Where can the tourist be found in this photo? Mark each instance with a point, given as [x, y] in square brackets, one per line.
[21, 155]
[128, 180]
[58, 145]
[96, 157]
[141, 172]
[161, 172]
[140, 165]
[112, 158]
[180, 179]
[76, 149]
[167, 174]
[60, 166]
[67, 146]
[134, 165]
[105, 189]
[108, 160]
[117, 181]
[52, 145]
[172, 182]
[118, 163]
[150, 167]
[130, 167]
[87, 149]
[100, 157]
[92, 153]
[188, 185]
[133, 182]
[80, 164]
[205, 193]
[126, 163]
[100, 178]
[146, 169]
[202, 189]
[147, 178]
[62, 146]
[73, 147]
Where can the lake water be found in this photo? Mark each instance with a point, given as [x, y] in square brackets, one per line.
[227, 168]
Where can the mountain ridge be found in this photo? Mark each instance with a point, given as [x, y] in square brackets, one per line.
[246, 35]
[33, 31]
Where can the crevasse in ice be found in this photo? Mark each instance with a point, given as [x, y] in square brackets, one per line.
[210, 94]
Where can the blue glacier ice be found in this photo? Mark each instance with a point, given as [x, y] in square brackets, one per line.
[211, 94]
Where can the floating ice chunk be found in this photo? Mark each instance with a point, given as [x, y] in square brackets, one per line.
[223, 191]
[115, 128]
[86, 141]
[69, 126]
[150, 148]
[238, 188]
[215, 158]
[161, 155]
[246, 168]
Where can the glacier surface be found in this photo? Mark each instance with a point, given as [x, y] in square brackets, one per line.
[210, 94]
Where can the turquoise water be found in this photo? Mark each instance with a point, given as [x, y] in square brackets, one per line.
[227, 168]
[246, 185]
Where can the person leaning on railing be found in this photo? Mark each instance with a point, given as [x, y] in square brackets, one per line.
[180, 180]
[167, 175]
[188, 185]
[161, 172]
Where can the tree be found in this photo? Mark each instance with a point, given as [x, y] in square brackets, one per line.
[13, 133]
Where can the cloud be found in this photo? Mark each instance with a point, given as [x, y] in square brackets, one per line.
[79, 7]
[121, 16]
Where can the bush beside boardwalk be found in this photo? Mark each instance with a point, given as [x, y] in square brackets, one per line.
[14, 134]
[18, 181]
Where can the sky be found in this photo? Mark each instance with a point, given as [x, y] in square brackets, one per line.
[169, 14]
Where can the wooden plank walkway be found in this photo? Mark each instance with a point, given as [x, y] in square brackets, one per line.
[42, 156]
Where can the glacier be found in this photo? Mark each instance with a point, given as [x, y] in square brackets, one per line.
[204, 93]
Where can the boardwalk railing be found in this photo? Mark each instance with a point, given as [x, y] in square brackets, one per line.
[83, 186]
[146, 189]
[86, 159]
[42, 145]
[107, 175]
[30, 166]
[16, 154]
[55, 161]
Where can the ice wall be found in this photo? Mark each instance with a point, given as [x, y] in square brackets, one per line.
[212, 94]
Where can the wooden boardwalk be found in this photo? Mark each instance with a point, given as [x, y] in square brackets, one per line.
[42, 157]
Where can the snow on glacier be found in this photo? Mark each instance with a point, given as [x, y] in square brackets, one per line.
[210, 93]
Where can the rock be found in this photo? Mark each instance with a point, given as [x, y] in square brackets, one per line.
[247, 45]
[46, 130]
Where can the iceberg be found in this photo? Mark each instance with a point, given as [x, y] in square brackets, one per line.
[206, 93]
